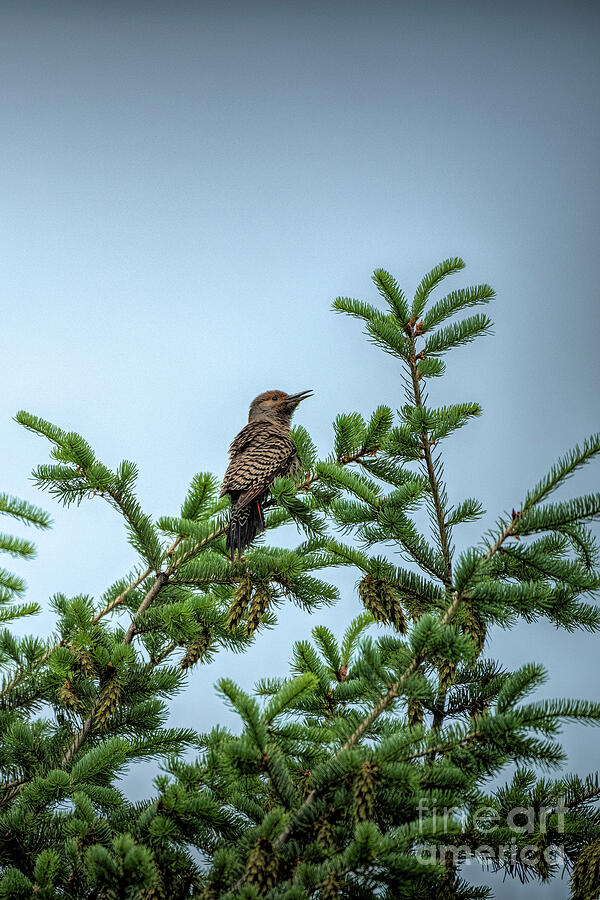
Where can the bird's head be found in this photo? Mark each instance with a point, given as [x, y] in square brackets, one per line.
[276, 406]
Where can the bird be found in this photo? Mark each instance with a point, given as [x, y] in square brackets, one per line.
[262, 451]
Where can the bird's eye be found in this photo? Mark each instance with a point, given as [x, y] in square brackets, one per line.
[274, 397]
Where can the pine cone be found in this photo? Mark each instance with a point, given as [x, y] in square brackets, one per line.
[331, 887]
[109, 699]
[446, 671]
[241, 599]
[364, 783]
[258, 605]
[585, 883]
[474, 626]
[157, 891]
[382, 601]
[84, 660]
[196, 651]
[261, 869]
[326, 836]
[68, 698]
[414, 711]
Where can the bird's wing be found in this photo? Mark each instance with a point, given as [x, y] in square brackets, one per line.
[259, 453]
[249, 435]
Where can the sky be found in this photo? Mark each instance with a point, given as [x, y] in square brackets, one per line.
[186, 189]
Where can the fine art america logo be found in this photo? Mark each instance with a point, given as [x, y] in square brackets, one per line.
[519, 821]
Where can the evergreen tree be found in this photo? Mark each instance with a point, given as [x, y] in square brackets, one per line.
[366, 773]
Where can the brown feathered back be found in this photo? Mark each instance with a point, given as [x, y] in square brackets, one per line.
[262, 451]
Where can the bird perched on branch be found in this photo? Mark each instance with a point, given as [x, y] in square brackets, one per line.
[261, 452]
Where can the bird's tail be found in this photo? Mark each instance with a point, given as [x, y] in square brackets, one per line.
[245, 523]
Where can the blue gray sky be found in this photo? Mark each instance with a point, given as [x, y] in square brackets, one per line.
[186, 189]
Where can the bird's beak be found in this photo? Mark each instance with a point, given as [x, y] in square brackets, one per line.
[295, 399]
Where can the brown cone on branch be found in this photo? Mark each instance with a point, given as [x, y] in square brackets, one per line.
[261, 452]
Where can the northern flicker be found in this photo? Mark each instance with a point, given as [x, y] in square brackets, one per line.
[261, 452]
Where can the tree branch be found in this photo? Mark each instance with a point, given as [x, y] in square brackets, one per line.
[162, 579]
[387, 698]
[426, 446]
